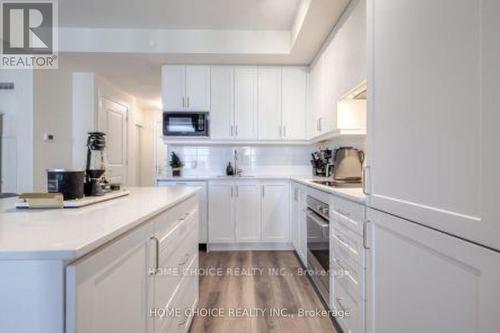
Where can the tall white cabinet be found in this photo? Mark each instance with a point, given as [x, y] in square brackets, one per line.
[433, 118]
[269, 103]
[245, 103]
[222, 103]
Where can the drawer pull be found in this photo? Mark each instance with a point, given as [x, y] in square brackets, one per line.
[341, 212]
[184, 317]
[157, 254]
[345, 244]
[185, 259]
[185, 216]
[342, 307]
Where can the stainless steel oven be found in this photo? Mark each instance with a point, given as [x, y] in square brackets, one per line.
[318, 245]
[185, 124]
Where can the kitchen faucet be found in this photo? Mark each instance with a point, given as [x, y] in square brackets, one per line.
[237, 171]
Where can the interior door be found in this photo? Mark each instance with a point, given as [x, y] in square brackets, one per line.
[421, 280]
[269, 103]
[113, 122]
[173, 87]
[293, 108]
[198, 88]
[247, 212]
[245, 102]
[221, 228]
[275, 212]
[222, 102]
[433, 114]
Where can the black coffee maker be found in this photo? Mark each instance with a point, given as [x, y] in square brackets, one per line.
[96, 164]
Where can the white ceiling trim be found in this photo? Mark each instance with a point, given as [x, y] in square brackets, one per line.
[174, 41]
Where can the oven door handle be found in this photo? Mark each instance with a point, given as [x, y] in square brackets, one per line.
[318, 221]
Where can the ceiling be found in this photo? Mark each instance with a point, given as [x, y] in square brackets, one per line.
[179, 14]
[90, 41]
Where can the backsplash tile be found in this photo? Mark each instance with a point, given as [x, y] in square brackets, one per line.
[254, 160]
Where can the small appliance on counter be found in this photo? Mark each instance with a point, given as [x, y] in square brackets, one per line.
[96, 164]
[348, 165]
[68, 182]
[322, 162]
[229, 170]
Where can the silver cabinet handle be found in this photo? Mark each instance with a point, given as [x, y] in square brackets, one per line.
[366, 244]
[232, 130]
[232, 191]
[284, 131]
[188, 101]
[321, 224]
[185, 259]
[236, 129]
[342, 212]
[339, 300]
[365, 179]
[157, 254]
[183, 104]
[281, 130]
[263, 191]
[237, 191]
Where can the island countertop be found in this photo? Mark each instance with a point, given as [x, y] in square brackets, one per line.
[68, 234]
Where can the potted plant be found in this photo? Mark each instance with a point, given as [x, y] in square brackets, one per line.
[176, 165]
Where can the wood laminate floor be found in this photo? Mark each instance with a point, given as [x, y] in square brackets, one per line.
[256, 281]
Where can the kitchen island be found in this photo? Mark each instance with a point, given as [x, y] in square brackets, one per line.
[100, 268]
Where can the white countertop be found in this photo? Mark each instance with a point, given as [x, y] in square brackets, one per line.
[354, 194]
[67, 234]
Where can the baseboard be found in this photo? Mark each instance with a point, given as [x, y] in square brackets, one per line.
[249, 247]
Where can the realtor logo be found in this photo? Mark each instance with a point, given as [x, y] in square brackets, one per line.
[29, 34]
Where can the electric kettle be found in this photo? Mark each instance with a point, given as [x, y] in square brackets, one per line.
[348, 164]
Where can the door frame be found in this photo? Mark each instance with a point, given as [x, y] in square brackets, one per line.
[100, 116]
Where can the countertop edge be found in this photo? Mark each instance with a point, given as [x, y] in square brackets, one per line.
[330, 190]
[72, 255]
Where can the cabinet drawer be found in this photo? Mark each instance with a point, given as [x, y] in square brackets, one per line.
[347, 245]
[353, 321]
[349, 278]
[165, 222]
[351, 215]
[179, 313]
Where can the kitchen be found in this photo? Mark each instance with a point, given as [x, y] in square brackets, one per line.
[309, 166]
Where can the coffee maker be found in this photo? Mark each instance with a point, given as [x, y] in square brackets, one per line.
[322, 162]
[96, 164]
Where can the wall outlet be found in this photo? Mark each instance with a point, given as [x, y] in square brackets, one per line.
[47, 137]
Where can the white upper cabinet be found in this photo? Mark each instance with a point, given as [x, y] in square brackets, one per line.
[222, 102]
[269, 103]
[198, 88]
[245, 102]
[340, 68]
[173, 85]
[433, 115]
[275, 210]
[185, 88]
[293, 103]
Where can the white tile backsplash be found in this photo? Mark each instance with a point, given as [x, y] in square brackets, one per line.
[254, 160]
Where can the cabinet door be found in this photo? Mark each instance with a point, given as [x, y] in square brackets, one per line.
[109, 290]
[269, 103]
[415, 272]
[203, 197]
[198, 88]
[293, 107]
[247, 212]
[222, 102]
[173, 87]
[221, 227]
[438, 137]
[275, 212]
[245, 102]
[316, 98]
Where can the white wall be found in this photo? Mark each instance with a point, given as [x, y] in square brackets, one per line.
[17, 140]
[52, 104]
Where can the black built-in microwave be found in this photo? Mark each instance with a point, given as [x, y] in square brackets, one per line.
[185, 124]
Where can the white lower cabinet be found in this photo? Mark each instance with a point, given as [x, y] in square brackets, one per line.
[421, 280]
[275, 218]
[221, 227]
[203, 196]
[298, 221]
[248, 211]
[116, 288]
